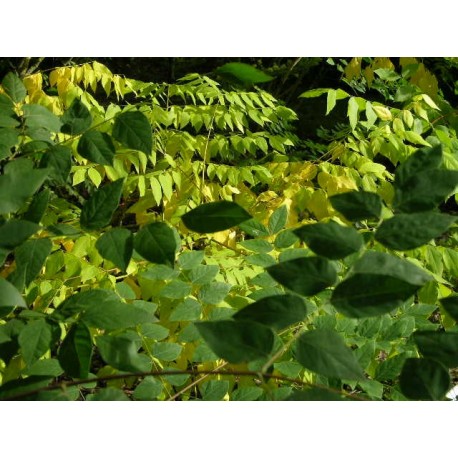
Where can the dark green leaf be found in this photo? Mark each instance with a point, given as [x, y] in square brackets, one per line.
[39, 117]
[17, 186]
[247, 393]
[86, 299]
[441, 346]
[154, 331]
[254, 228]
[285, 239]
[116, 245]
[37, 207]
[316, 394]
[412, 230]
[424, 159]
[213, 293]
[108, 394]
[9, 295]
[100, 207]
[243, 73]
[76, 119]
[58, 160]
[35, 340]
[16, 231]
[120, 352]
[133, 130]
[176, 289]
[323, 351]
[215, 217]
[258, 245]
[16, 388]
[166, 351]
[357, 205]
[450, 304]
[49, 367]
[202, 275]
[237, 341]
[278, 219]
[8, 139]
[14, 87]
[30, 258]
[76, 351]
[330, 239]
[190, 259]
[156, 243]
[214, 390]
[424, 379]
[365, 295]
[425, 190]
[148, 389]
[306, 276]
[277, 312]
[188, 310]
[261, 259]
[97, 147]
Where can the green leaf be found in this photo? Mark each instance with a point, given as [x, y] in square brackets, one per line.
[202, 275]
[352, 112]
[285, 239]
[412, 230]
[425, 190]
[148, 389]
[76, 119]
[10, 296]
[450, 304]
[188, 310]
[277, 312]
[166, 351]
[254, 228]
[17, 185]
[133, 130]
[58, 160]
[14, 87]
[35, 340]
[176, 289]
[76, 351]
[260, 246]
[306, 276]
[331, 100]
[39, 117]
[366, 295]
[237, 341]
[156, 243]
[97, 147]
[117, 246]
[441, 346]
[357, 205]
[37, 207]
[243, 73]
[8, 139]
[30, 258]
[315, 394]
[215, 217]
[49, 367]
[17, 387]
[100, 207]
[424, 379]
[108, 394]
[330, 239]
[16, 231]
[120, 352]
[214, 293]
[214, 390]
[190, 259]
[247, 393]
[154, 331]
[82, 300]
[323, 351]
[278, 219]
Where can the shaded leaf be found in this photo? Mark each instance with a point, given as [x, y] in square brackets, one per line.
[254, 228]
[35, 340]
[243, 73]
[100, 207]
[357, 205]
[117, 246]
[424, 379]
[215, 217]
[9, 295]
[450, 304]
[97, 147]
[330, 239]
[441, 346]
[108, 394]
[412, 230]
[133, 130]
[278, 219]
[76, 119]
[214, 293]
[37, 207]
[156, 243]
[306, 276]
[315, 394]
[16, 231]
[148, 389]
[58, 160]
[237, 341]
[278, 311]
[323, 351]
[75, 352]
[14, 87]
[39, 117]
[188, 310]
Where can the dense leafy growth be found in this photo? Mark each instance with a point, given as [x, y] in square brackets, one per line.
[178, 240]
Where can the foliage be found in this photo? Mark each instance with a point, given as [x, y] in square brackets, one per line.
[163, 241]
